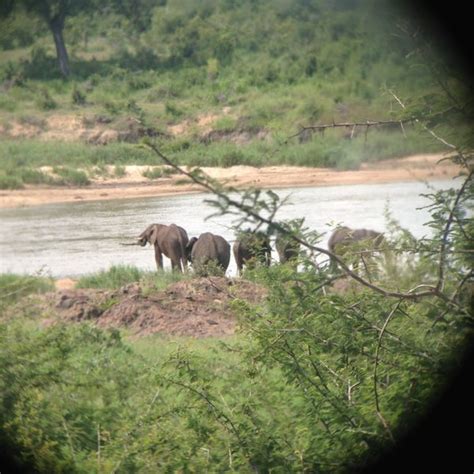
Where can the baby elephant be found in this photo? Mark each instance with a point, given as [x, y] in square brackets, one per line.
[207, 250]
[360, 242]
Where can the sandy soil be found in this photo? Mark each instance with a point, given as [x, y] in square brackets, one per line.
[134, 185]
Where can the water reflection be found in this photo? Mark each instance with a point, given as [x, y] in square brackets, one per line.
[79, 238]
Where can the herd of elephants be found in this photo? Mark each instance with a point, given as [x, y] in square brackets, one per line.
[252, 246]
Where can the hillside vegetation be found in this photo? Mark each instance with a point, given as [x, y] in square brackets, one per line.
[218, 83]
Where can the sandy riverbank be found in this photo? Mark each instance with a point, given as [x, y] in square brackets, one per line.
[134, 185]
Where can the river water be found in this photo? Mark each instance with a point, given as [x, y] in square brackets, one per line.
[69, 240]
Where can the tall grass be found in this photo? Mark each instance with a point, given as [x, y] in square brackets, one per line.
[119, 275]
[14, 287]
[36, 153]
[19, 160]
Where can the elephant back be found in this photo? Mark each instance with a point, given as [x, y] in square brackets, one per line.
[210, 247]
[345, 236]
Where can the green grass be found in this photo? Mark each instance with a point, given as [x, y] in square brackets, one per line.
[153, 173]
[119, 275]
[35, 153]
[19, 160]
[113, 278]
[71, 177]
[15, 287]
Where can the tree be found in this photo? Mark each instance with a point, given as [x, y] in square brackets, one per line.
[54, 13]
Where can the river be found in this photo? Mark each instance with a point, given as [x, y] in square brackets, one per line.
[74, 239]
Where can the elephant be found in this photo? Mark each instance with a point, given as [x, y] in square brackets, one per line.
[252, 247]
[208, 249]
[361, 241]
[287, 248]
[170, 240]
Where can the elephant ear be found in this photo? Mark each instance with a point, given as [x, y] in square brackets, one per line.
[153, 236]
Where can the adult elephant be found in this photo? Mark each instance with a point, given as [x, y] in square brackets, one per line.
[355, 245]
[287, 248]
[250, 248]
[169, 240]
[207, 250]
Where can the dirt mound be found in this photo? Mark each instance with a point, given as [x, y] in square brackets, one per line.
[200, 307]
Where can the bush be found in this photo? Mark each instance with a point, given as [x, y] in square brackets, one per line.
[32, 176]
[40, 66]
[119, 171]
[78, 97]
[153, 173]
[15, 287]
[7, 104]
[10, 182]
[71, 177]
[44, 100]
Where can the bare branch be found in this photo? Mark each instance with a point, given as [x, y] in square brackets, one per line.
[352, 125]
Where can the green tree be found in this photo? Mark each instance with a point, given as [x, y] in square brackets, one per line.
[54, 13]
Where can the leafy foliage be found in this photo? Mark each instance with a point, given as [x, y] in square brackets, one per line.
[15, 287]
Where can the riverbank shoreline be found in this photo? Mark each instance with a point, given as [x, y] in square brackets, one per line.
[422, 167]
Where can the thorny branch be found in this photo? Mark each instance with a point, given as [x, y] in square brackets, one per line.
[370, 123]
[445, 236]
[376, 363]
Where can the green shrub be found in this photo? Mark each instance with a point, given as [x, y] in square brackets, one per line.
[32, 176]
[78, 97]
[71, 177]
[7, 104]
[10, 182]
[173, 110]
[231, 158]
[44, 100]
[15, 287]
[153, 173]
[119, 171]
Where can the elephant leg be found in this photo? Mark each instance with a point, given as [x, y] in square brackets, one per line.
[158, 258]
[176, 265]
